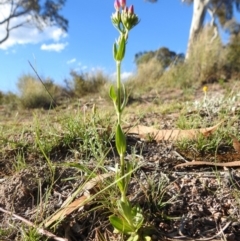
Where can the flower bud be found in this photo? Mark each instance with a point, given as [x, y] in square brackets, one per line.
[131, 10]
[122, 3]
[116, 19]
[129, 18]
[117, 5]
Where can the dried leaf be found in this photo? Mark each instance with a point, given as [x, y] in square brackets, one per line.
[67, 208]
[146, 132]
[236, 143]
[86, 187]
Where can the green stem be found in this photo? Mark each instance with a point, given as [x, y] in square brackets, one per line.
[122, 170]
[119, 110]
[119, 91]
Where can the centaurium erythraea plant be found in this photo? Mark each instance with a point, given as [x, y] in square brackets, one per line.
[124, 19]
[130, 219]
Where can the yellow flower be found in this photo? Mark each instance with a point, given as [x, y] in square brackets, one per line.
[205, 89]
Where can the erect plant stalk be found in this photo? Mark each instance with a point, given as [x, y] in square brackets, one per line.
[119, 91]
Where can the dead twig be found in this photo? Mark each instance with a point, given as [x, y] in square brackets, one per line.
[39, 230]
[206, 163]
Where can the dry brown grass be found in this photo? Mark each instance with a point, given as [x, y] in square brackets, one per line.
[33, 93]
[88, 83]
[146, 77]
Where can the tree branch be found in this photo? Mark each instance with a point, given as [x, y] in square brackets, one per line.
[13, 16]
[42, 14]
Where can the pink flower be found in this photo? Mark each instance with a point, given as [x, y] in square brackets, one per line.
[117, 5]
[131, 10]
[122, 3]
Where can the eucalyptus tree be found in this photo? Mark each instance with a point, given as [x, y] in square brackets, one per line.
[223, 10]
[35, 13]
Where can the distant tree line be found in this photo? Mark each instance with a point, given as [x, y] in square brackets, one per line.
[163, 55]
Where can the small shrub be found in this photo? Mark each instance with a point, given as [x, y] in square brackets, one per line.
[177, 76]
[33, 93]
[146, 77]
[205, 64]
[1, 97]
[88, 83]
[206, 58]
[233, 54]
[9, 99]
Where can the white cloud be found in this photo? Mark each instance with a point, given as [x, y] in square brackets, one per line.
[57, 47]
[124, 75]
[81, 66]
[27, 34]
[58, 33]
[71, 61]
[12, 51]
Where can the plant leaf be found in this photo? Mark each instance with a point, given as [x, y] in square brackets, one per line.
[137, 217]
[120, 138]
[126, 211]
[115, 51]
[125, 97]
[112, 94]
[120, 224]
[79, 166]
[134, 238]
[147, 238]
[121, 48]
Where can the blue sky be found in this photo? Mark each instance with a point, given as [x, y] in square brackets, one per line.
[87, 45]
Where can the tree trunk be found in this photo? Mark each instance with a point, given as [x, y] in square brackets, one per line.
[199, 11]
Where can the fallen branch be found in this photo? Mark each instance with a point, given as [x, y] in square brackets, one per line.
[204, 163]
